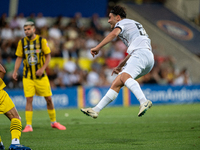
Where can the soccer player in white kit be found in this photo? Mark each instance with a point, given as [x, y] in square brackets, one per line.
[137, 63]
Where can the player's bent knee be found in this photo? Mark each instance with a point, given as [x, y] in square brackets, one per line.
[13, 114]
[124, 77]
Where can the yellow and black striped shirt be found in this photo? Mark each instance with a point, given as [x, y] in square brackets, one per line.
[33, 53]
[2, 84]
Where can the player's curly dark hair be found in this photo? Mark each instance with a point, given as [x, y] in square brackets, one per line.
[118, 10]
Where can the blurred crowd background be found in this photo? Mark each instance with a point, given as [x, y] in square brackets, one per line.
[70, 41]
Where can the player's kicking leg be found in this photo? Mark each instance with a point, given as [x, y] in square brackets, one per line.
[144, 107]
[110, 96]
[90, 112]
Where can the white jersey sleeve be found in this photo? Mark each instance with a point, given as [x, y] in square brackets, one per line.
[133, 35]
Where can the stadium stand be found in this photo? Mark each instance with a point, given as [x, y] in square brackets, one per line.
[72, 37]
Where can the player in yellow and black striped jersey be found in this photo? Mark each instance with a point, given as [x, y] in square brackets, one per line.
[7, 108]
[35, 53]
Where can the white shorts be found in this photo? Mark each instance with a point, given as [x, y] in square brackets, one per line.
[140, 63]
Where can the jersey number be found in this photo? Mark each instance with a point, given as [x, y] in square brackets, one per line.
[141, 29]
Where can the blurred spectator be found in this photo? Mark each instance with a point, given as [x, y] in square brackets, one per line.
[44, 32]
[31, 17]
[78, 20]
[82, 48]
[162, 76]
[40, 21]
[63, 79]
[54, 32]
[21, 20]
[118, 51]
[182, 78]
[69, 49]
[6, 41]
[65, 49]
[149, 78]
[72, 42]
[93, 77]
[6, 33]
[71, 33]
[58, 21]
[54, 46]
[14, 23]
[17, 34]
[96, 24]
[53, 75]
[80, 73]
[70, 75]
[103, 76]
[70, 66]
[89, 43]
[5, 50]
[3, 21]
[9, 66]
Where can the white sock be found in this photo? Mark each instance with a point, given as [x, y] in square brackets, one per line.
[53, 122]
[134, 86]
[15, 141]
[109, 97]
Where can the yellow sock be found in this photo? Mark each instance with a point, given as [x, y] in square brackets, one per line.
[52, 114]
[0, 139]
[15, 128]
[29, 116]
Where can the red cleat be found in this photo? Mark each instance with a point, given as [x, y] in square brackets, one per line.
[58, 126]
[28, 129]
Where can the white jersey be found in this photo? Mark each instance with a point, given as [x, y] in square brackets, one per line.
[133, 35]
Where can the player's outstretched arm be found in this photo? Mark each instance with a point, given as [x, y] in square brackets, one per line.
[94, 51]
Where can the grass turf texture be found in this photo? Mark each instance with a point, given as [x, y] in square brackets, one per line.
[166, 127]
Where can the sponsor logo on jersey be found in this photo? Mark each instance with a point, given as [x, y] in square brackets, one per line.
[33, 51]
[175, 29]
[37, 46]
[37, 50]
[31, 46]
[25, 46]
[32, 59]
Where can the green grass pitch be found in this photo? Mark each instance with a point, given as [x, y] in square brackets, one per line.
[163, 127]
